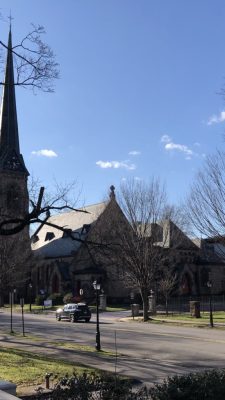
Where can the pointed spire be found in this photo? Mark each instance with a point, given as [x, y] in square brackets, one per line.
[9, 136]
[112, 192]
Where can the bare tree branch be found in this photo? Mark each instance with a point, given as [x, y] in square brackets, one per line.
[34, 62]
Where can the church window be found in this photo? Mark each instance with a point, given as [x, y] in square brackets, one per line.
[49, 236]
[35, 238]
[47, 273]
[186, 284]
[204, 277]
[55, 284]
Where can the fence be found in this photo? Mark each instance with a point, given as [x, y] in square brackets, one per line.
[182, 304]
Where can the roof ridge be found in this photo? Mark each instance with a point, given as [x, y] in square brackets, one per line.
[58, 215]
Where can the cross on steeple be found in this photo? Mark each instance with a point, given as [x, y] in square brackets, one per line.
[10, 19]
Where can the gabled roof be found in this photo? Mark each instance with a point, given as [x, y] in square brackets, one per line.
[51, 242]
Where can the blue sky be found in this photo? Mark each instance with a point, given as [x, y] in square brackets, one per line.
[138, 93]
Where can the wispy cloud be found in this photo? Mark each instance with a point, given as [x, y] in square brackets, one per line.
[216, 119]
[44, 153]
[169, 145]
[179, 147]
[134, 153]
[165, 139]
[116, 164]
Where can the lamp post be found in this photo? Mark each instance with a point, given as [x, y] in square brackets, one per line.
[30, 288]
[11, 300]
[97, 288]
[132, 303]
[209, 284]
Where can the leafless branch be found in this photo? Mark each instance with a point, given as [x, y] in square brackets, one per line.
[34, 62]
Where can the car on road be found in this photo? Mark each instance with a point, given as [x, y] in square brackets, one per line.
[74, 312]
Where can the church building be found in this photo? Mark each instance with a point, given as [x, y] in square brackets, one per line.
[66, 260]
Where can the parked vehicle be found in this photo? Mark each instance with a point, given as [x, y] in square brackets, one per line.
[74, 312]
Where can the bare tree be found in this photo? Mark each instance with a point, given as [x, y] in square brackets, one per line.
[40, 209]
[141, 241]
[167, 283]
[206, 202]
[35, 64]
[143, 205]
[137, 242]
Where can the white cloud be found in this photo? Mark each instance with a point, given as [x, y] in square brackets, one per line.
[134, 153]
[169, 145]
[179, 147]
[116, 164]
[45, 153]
[216, 119]
[165, 139]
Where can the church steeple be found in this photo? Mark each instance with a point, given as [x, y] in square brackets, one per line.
[10, 157]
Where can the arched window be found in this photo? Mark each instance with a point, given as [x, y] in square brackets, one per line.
[55, 284]
[204, 276]
[186, 284]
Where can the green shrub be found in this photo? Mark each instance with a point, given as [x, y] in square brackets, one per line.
[207, 385]
[57, 298]
[39, 300]
[92, 386]
[68, 298]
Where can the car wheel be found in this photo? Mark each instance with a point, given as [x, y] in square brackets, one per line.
[87, 320]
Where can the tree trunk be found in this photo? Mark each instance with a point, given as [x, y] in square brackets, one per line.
[1, 300]
[166, 306]
[144, 295]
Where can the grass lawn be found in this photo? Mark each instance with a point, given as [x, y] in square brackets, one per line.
[29, 369]
[218, 316]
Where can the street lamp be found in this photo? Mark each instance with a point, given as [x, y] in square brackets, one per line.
[11, 300]
[132, 303]
[209, 284]
[97, 288]
[30, 287]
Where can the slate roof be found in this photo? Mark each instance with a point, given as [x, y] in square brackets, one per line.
[51, 242]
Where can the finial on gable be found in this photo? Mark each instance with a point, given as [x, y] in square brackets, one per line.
[112, 192]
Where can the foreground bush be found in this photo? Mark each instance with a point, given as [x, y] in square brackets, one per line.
[57, 299]
[207, 385]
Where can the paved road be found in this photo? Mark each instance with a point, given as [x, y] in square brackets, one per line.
[147, 351]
